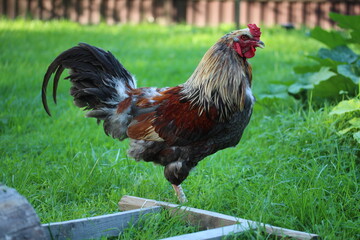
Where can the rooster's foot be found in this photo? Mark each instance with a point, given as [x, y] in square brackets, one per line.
[180, 193]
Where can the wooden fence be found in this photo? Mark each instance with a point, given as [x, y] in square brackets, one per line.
[195, 12]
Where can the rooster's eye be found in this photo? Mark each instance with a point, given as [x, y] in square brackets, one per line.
[244, 37]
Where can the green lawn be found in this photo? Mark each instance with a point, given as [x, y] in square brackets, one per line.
[290, 169]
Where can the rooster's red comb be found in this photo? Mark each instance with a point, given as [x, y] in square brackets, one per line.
[254, 30]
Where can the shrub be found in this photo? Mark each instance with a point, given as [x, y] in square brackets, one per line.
[349, 117]
[335, 70]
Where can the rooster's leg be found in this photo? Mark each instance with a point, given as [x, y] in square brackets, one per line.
[180, 193]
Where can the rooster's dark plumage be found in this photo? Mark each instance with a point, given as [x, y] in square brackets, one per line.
[177, 126]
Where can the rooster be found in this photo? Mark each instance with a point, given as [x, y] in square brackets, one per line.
[175, 127]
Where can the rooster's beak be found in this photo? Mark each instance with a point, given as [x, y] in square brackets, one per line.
[260, 44]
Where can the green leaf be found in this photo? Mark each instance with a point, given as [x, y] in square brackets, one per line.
[275, 91]
[355, 37]
[273, 96]
[349, 72]
[357, 136]
[355, 122]
[346, 106]
[339, 54]
[298, 87]
[322, 75]
[277, 88]
[325, 62]
[346, 130]
[323, 84]
[333, 88]
[346, 21]
[306, 69]
[331, 39]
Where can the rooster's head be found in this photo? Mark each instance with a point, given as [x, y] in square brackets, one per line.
[223, 75]
[245, 41]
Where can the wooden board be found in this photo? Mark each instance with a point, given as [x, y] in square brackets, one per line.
[212, 234]
[197, 217]
[110, 225]
[18, 219]
[211, 220]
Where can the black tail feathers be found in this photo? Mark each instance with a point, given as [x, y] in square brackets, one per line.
[98, 80]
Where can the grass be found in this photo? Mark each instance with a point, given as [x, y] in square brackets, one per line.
[290, 169]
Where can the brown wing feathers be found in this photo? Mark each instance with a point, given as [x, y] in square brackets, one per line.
[175, 121]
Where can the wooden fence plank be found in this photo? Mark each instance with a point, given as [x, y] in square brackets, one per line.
[134, 11]
[84, 12]
[189, 12]
[169, 11]
[95, 11]
[324, 10]
[59, 8]
[46, 9]
[72, 10]
[255, 14]
[244, 12]
[95, 227]
[11, 9]
[283, 17]
[213, 16]
[355, 9]
[121, 13]
[34, 9]
[147, 11]
[296, 14]
[22, 8]
[200, 13]
[342, 7]
[109, 12]
[163, 10]
[312, 12]
[213, 234]
[227, 11]
[209, 220]
[269, 13]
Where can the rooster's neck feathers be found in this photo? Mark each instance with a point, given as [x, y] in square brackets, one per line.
[221, 80]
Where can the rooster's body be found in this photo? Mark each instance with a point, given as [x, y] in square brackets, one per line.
[175, 127]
